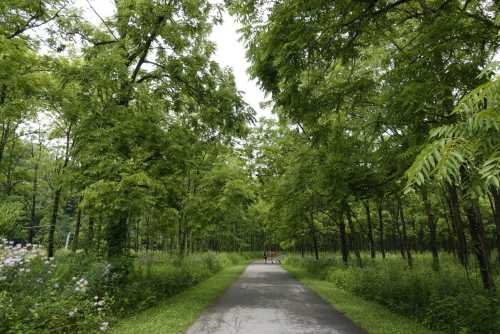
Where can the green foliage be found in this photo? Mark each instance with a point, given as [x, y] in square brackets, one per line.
[149, 148]
[447, 300]
[11, 213]
[469, 144]
[159, 277]
[366, 314]
[83, 294]
[45, 296]
[177, 313]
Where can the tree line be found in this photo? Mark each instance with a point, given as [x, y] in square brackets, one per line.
[125, 136]
[389, 129]
[121, 135]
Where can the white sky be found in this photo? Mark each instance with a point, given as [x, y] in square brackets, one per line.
[230, 52]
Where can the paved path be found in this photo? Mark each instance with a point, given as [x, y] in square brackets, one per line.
[268, 300]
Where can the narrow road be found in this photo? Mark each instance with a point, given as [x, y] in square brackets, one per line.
[268, 300]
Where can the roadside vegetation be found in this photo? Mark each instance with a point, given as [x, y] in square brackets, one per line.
[371, 316]
[128, 155]
[79, 293]
[121, 182]
[174, 315]
[386, 150]
[450, 301]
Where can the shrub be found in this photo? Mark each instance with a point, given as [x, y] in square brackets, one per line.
[38, 296]
[77, 293]
[447, 300]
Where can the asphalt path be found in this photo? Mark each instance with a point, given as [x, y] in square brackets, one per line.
[266, 299]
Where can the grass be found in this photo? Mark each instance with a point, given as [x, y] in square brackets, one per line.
[369, 315]
[177, 313]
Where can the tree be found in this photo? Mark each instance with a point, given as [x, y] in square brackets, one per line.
[465, 154]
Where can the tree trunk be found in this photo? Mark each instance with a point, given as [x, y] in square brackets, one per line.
[400, 234]
[431, 223]
[148, 237]
[456, 220]
[116, 236]
[451, 240]
[53, 222]
[479, 240]
[4, 138]
[33, 221]
[137, 229]
[90, 234]
[496, 214]
[355, 239]
[57, 197]
[370, 228]
[343, 241]
[420, 239]
[381, 228]
[405, 236]
[314, 236]
[77, 229]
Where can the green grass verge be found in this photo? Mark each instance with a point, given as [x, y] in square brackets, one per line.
[373, 317]
[175, 314]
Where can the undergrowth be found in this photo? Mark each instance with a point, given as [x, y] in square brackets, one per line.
[81, 293]
[451, 300]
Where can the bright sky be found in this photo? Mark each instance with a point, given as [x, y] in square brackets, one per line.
[230, 52]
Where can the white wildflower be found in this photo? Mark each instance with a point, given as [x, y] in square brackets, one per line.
[103, 326]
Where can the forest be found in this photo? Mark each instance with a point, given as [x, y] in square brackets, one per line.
[132, 168]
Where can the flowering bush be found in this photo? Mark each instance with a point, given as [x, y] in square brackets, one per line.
[77, 293]
[36, 297]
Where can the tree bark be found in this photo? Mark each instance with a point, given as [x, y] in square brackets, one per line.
[395, 216]
[137, 229]
[57, 197]
[479, 240]
[116, 236]
[405, 235]
[77, 229]
[90, 234]
[381, 228]
[53, 222]
[3, 139]
[496, 214]
[456, 220]
[343, 241]
[33, 221]
[314, 236]
[431, 223]
[370, 228]
[355, 239]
